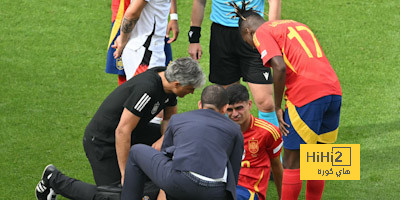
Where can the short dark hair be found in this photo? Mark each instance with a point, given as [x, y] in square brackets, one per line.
[214, 95]
[237, 93]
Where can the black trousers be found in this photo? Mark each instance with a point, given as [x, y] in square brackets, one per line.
[104, 163]
[146, 163]
[78, 190]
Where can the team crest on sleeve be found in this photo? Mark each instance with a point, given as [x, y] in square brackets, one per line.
[253, 146]
[263, 53]
[155, 108]
[119, 64]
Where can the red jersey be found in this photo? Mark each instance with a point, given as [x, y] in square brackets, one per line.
[309, 74]
[262, 142]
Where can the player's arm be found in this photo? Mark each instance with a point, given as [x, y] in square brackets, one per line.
[279, 67]
[274, 12]
[195, 28]
[197, 12]
[127, 123]
[168, 112]
[274, 147]
[277, 171]
[129, 21]
[173, 23]
[236, 155]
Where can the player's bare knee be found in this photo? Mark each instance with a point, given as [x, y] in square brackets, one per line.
[291, 159]
[265, 104]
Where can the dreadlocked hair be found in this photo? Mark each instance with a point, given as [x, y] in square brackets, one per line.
[244, 12]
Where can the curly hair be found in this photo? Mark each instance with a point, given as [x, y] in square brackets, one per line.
[244, 13]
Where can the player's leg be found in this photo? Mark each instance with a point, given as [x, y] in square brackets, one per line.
[330, 121]
[103, 160]
[291, 183]
[144, 162]
[327, 134]
[224, 64]
[70, 187]
[43, 191]
[105, 172]
[263, 98]
[53, 181]
[314, 189]
[305, 123]
[259, 79]
[108, 193]
[148, 135]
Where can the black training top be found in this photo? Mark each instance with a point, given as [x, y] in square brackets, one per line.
[143, 95]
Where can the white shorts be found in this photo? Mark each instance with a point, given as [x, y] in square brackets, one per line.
[133, 58]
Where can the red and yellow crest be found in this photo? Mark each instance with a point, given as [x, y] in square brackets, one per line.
[253, 146]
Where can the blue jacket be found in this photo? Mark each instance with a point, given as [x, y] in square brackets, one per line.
[205, 142]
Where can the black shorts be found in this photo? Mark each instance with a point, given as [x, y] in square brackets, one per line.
[231, 58]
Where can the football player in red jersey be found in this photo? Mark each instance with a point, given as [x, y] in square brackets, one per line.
[262, 146]
[313, 94]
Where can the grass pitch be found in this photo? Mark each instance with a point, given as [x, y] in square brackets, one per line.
[53, 55]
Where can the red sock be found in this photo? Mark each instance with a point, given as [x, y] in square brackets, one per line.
[291, 184]
[121, 79]
[314, 189]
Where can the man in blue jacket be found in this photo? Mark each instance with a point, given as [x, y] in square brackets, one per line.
[200, 155]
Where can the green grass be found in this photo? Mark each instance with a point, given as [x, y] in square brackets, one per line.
[52, 58]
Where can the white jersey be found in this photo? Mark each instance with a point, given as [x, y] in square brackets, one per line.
[152, 22]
